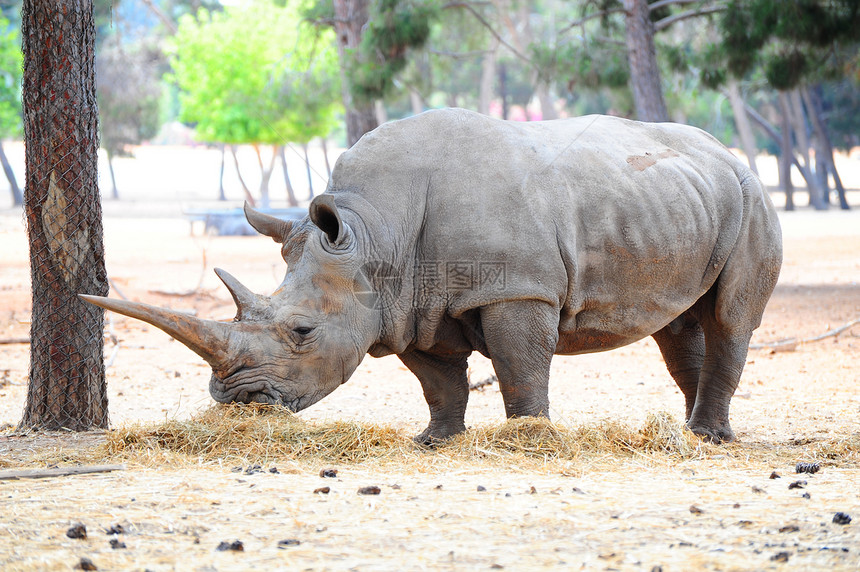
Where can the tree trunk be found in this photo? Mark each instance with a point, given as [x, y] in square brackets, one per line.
[291, 194]
[644, 72]
[324, 144]
[67, 386]
[742, 122]
[641, 54]
[17, 197]
[265, 175]
[221, 195]
[786, 153]
[798, 122]
[350, 18]
[488, 77]
[813, 104]
[114, 193]
[308, 169]
[248, 196]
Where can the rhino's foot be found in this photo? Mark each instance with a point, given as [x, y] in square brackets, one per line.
[437, 433]
[720, 434]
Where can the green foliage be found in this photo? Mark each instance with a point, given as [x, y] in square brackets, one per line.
[255, 73]
[10, 80]
[394, 28]
[792, 39]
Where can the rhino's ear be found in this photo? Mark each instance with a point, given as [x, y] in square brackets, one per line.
[323, 213]
[267, 225]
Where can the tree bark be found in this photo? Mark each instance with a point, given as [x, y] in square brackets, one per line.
[265, 175]
[488, 77]
[798, 123]
[642, 56]
[67, 386]
[17, 197]
[742, 122]
[350, 18]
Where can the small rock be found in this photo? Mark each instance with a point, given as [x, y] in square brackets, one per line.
[841, 518]
[396, 487]
[810, 468]
[657, 568]
[695, 510]
[235, 546]
[328, 473]
[780, 557]
[115, 529]
[756, 489]
[736, 505]
[797, 485]
[789, 528]
[85, 564]
[236, 470]
[496, 566]
[481, 488]
[438, 487]
[774, 475]
[274, 471]
[288, 542]
[117, 544]
[78, 531]
[532, 490]
[322, 490]
[371, 490]
[806, 496]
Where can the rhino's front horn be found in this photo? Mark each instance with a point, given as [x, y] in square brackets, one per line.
[207, 338]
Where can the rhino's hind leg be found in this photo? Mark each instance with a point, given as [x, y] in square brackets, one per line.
[446, 389]
[521, 338]
[725, 357]
[684, 354]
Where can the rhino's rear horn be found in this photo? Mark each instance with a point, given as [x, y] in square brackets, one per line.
[267, 225]
[207, 338]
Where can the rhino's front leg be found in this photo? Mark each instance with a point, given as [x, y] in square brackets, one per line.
[446, 389]
[521, 338]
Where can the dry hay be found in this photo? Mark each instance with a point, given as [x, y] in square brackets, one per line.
[264, 433]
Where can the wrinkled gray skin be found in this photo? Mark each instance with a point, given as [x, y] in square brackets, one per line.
[575, 236]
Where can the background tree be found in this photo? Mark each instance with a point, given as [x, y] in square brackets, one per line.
[129, 92]
[67, 383]
[231, 67]
[10, 99]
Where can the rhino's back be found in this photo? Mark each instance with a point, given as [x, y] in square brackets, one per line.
[620, 224]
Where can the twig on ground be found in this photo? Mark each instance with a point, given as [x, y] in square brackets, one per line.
[15, 341]
[791, 343]
[14, 474]
[483, 383]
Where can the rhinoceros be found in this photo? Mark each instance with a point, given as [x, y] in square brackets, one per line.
[450, 232]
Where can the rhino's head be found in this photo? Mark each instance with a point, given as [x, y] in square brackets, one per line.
[296, 346]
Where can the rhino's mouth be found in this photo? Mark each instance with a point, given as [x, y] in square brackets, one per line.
[252, 390]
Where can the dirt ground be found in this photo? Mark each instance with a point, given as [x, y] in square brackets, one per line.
[721, 511]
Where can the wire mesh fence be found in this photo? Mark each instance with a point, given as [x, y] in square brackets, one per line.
[63, 215]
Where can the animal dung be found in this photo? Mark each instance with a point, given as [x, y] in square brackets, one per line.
[841, 518]
[323, 490]
[235, 546]
[774, 475]
[85, 564]
[371, 490]
[77, 531]
[115, 529]
[116, 544]
[328, 473]
[695, 510]
[810, 468]
[781, 556]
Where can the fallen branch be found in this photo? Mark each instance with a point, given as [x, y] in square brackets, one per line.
[483, 383]
[791, 343]
[57, 472]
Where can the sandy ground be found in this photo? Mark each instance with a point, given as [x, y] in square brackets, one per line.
[719, 512]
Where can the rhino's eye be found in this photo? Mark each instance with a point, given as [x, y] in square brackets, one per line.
[302, 331]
